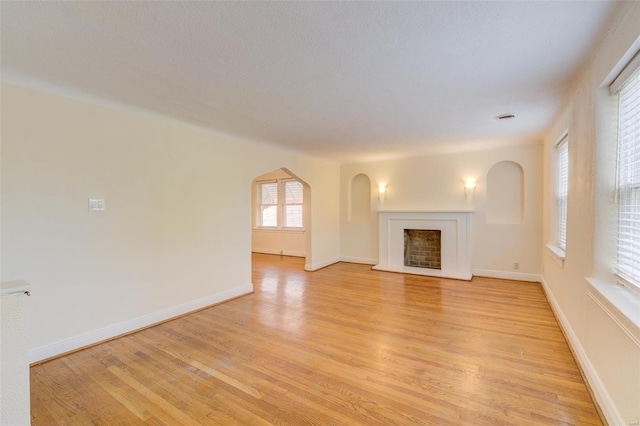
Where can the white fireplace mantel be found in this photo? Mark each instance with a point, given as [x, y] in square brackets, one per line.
[455, 227]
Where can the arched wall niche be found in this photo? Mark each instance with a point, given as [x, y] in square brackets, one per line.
[360, 198]
[505, 193]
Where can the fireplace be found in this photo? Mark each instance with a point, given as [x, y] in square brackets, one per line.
[422, 248]
[453, 230]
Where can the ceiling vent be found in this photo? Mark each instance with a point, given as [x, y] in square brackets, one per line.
[508, 116]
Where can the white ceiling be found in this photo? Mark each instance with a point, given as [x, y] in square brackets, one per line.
[348, 81]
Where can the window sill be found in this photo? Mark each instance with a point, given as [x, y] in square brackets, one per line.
[556, 253]
[281, 230]
[619, 303]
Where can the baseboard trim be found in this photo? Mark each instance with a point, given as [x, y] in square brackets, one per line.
[362, 260]
[283, 252]
[319, 265]
[516, 276]
[125, 327]
[598, 390]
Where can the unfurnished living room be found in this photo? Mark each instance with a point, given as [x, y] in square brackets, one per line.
[320, 212]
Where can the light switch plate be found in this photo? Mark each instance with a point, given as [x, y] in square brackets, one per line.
[96, 205]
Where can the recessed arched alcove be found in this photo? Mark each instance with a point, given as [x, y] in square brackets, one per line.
[360, 198]
[505, 193]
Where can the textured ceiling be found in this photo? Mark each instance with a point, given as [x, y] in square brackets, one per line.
[343, 80]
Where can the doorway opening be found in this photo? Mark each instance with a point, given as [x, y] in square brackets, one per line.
[281, 214]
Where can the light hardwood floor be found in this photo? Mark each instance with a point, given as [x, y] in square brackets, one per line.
[342, 346]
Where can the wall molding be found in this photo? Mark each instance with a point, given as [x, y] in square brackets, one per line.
[319, 265]
[600, 393]
[363, 260]
[507, 275]
[111, 331]
[275, 251]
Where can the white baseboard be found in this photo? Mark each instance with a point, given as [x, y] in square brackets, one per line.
[111, 331]
[516, 276]
[600, 393]
[362, 260]
[319, 265]
[283, 253]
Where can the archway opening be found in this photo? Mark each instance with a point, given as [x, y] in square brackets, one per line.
[281, 214]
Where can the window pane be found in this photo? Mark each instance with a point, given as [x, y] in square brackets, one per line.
[563, 189]
[628, 264]
[269, 216]
[293, 216]
[293, 192]
[269, 193]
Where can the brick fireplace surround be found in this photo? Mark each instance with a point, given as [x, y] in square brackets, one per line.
[422, 248]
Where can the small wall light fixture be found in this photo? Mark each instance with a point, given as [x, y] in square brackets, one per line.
[382, 189]
[470, 183]
[469, 186]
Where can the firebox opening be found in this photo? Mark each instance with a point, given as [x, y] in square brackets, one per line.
[422, 248]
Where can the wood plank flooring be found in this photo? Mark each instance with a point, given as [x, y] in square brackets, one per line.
[341, 346]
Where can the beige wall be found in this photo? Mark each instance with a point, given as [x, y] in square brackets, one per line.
[602, 320]
[176, 233]
[436, 183]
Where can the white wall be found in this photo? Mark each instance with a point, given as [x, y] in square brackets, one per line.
[604, 338]
[289, 242]
[176, 233]
[436, 183]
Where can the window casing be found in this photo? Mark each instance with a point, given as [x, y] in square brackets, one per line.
[628, 182]
[562, 191]
[280, 204]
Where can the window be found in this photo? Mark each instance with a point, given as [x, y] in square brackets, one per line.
[268, 193]
[561, 192]
[628, 181]
[292, 204]
[280, 204]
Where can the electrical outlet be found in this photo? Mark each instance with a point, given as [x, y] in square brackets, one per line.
[516, 265]
[96, 205]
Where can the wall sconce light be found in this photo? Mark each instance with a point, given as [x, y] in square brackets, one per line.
[469, 187]
[382, 189]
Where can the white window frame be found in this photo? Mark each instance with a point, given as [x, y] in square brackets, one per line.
[281, 205]
[562, 190]
[627, 267]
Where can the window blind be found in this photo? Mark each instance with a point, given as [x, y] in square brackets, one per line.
[628, 185]
[292, 204]
[268, 204]
[562, 191]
